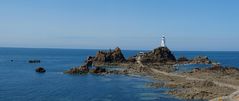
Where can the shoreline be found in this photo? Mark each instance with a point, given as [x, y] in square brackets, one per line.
[184, 86]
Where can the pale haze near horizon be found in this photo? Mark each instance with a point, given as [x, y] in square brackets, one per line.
[192, 25]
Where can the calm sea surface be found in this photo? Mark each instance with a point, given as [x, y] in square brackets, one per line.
[20, 82]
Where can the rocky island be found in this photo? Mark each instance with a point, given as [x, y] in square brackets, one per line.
[213, 82]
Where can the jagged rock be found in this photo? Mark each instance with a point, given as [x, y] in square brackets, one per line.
[78, 70]
[115, 56]
[161, 54]
[89, 61]
[40, 70]
[84, 70]
[201, 60]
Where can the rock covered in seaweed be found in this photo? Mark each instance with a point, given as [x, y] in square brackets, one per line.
[115, 56]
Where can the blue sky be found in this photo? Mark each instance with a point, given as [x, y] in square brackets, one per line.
[130, 24]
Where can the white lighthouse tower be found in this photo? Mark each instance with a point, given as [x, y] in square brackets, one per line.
[163, 42]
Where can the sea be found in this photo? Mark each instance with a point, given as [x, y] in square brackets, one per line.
[20, 82]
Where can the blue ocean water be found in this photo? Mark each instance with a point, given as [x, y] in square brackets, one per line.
[225, 58]
[20, 82]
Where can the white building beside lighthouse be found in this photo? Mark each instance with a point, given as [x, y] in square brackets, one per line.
[163, 42]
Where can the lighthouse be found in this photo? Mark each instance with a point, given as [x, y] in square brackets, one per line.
[163, 43]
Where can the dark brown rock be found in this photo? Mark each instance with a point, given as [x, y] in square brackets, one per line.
[34, 61]
[40, 70]
[182, 59]
[161, 54]
[216, 67]
[115, 56]
[78, 70]
[89, 61]
[201, 60]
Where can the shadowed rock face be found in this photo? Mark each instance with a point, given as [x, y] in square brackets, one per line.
[161, 54]
[115, 56]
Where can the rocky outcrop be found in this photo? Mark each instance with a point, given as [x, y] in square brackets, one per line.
[40, 70]
[182, 59]
[161, 54]
[200, 60]
[99, 70]
[224, 70]
[115, 56]
[34, 61]
[85, 70]
[89, 62]
[218, 69]
[77, 70]
[195, 60]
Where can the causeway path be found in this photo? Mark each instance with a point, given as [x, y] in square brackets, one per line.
[232, 97]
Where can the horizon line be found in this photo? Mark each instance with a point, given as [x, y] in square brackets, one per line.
[119, 47]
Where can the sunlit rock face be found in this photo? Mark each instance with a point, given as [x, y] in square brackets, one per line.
[115, 56]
